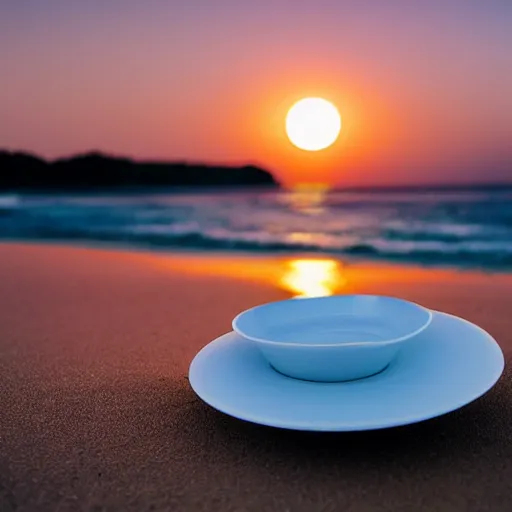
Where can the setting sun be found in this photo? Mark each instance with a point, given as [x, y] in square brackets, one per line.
[313, 124]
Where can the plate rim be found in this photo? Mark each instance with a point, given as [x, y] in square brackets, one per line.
[346, 427]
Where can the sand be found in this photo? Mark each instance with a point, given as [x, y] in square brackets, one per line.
[96, 412]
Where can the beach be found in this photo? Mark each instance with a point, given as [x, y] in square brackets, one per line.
[97, 412]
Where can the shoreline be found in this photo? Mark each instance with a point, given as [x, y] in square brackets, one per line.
[171, 251]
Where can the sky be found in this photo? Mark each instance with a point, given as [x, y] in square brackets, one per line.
[423, 87]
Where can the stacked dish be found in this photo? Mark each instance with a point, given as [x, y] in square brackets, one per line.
[348, 362]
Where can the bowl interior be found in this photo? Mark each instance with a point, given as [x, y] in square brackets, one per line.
[333, 320]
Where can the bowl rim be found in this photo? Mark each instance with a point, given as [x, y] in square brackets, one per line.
[380, 343]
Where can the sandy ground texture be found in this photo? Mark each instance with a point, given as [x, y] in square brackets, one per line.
[96, 412]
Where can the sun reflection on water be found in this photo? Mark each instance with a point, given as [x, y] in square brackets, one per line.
[308, 200]
[312, 277]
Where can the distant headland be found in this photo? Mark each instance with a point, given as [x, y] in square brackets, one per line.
[99, 172]
[94, 171]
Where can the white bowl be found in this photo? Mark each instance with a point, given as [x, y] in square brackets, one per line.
[332, 339]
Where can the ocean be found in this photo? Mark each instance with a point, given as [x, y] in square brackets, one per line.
[464, 229]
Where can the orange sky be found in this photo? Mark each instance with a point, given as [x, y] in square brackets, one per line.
[423, 88]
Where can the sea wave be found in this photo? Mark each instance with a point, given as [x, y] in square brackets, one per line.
[463, 231]
[496, 255]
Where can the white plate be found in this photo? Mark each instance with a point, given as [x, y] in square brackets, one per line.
[448, 365]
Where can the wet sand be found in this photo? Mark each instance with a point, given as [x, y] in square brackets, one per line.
[96, 412]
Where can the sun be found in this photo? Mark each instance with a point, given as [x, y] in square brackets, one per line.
[313, 124]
